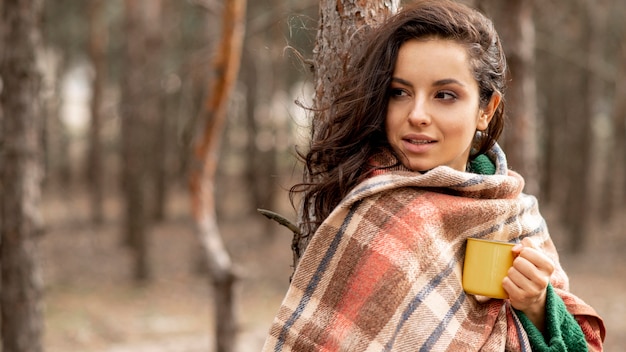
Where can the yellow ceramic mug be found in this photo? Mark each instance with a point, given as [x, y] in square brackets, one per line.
[486, 265]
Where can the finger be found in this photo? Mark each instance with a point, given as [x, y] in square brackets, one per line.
[511, 288]
[516, 293]
[538, 259]
[517, 249]
[521, 281]
[527, 242]
[522, 291]
[519, 246]
[527, 276]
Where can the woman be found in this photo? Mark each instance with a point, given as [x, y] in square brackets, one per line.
[406, 169]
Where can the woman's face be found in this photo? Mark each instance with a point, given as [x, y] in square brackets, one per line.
[434, 109]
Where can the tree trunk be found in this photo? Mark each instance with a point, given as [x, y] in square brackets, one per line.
[555, 77]
[204, 167]
[619, 118]
[140, 111]
[160, 172]
[97, 52]
[263, 124]
[153, 107]
[579, 210]
[613, 181]
[569, 129]
[253, 155]
[20, 181]
[342, 25]
[134, 163]
[515, 24]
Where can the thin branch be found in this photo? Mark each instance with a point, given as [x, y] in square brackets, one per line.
[281, 220]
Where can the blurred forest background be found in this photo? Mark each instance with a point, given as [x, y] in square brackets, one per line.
[123, 88]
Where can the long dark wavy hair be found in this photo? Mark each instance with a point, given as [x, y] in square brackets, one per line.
[338, 156]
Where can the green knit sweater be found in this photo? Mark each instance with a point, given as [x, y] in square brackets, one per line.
[482, 165]
[562, 330]
[562, 333]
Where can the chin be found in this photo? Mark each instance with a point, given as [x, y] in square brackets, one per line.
[419, 168]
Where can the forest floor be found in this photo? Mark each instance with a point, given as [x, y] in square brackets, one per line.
[92, 304]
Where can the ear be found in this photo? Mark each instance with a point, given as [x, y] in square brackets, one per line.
[486, 114]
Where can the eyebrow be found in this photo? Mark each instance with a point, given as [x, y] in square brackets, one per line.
[446, 81]
[441, 82]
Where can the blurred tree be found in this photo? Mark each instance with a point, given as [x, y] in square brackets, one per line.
[20, 222]
[275, 28]
[553, 88]
[580, 136]
[204, 167]
[613, 180]
[595, 40]
[198, 33]
[65, 32]
[256, 164]
[515, 23]
[67, 28]
[153, 106]
[140, 111]
[98, 39]
[263, 65]
[614, 185]
[569, 68]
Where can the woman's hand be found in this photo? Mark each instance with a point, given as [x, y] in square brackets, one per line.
[527, 281]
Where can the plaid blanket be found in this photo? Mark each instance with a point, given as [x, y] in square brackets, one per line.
[383, 272]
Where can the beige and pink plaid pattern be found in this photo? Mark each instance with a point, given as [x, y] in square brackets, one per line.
[383, 272]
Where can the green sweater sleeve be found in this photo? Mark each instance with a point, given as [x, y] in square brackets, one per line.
[562, 330]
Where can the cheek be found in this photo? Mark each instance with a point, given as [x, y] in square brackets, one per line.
[461, 131]
[390, 124]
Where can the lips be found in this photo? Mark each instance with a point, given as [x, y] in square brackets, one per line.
[418, 139]
[418, 143]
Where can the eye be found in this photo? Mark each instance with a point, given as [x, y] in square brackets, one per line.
[397, 92]
[446, 95]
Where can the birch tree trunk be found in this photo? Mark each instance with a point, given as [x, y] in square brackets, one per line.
[20, 180]
[204, 167]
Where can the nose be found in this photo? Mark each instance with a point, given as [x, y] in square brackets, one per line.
[420, 113]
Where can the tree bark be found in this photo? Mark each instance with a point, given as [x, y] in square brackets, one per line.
[204, 167]
[20, 180]
[342, 26]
